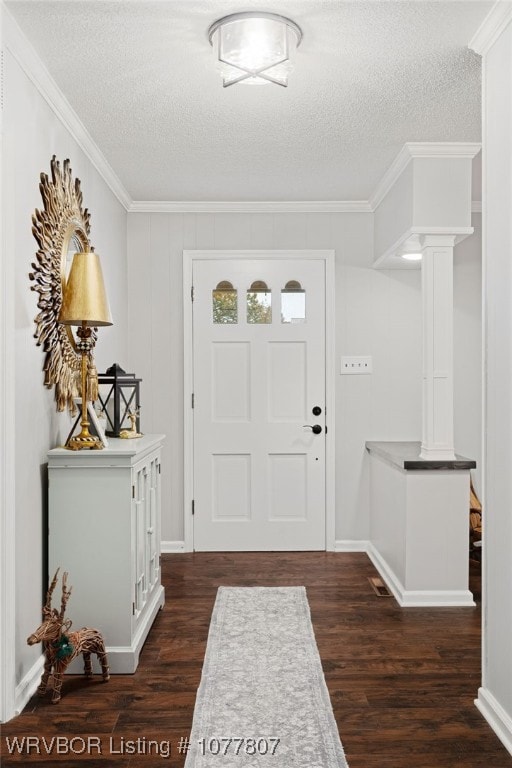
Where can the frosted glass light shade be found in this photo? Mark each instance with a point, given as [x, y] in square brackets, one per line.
[254, 48]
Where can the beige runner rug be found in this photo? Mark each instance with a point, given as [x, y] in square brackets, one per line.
[263, 700]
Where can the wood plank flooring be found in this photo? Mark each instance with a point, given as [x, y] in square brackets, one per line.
[402, 682]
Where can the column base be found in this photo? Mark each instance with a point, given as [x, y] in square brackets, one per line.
[437, 454]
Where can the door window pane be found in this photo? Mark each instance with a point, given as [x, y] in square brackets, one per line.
[293, 303]
[225, 303]
[259, 303]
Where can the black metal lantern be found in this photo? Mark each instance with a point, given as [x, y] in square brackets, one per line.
[119, 398]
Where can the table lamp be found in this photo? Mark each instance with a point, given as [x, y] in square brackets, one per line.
[85, 305]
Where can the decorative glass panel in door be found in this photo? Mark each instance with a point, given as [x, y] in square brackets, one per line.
[293, 303]
[225, 303]
[259, 303]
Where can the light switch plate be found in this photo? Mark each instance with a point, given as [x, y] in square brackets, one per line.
[356, 365]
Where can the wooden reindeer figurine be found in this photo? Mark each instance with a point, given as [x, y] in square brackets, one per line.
[61, 646]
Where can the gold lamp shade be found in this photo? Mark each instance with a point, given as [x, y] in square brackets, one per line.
[85, 300]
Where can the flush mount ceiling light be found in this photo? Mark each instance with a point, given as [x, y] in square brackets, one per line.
[254, 48]
[411, 256]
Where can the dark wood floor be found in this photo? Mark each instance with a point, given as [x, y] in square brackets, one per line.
[402, 682]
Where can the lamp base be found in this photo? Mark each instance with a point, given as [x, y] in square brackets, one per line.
[79, 442]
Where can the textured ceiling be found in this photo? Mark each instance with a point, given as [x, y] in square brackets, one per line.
[369, 76]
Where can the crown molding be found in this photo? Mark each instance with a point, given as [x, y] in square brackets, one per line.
[491, 27]
[395, 169]
[15, 41]
[467, 149]
[263, 206]
[299, 206]
[414, 149]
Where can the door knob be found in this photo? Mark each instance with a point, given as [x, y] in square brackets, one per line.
[315, 428]
[316, 410]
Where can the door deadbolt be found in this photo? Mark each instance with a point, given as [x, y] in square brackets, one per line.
[316, 410]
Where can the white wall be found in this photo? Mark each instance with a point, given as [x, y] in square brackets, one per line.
[495, 696]
[394, 215]
[442, 192]
[32, 134]
[378, 313]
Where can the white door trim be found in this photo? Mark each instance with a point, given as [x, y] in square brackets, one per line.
[188, 375]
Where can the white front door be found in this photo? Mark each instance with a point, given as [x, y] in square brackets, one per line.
[259, 389]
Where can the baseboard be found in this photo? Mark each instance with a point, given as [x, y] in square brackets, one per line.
[341, 545]
[499, 720]
[408, 598]
[349, 545]
[28, 686]
[167, 547]
[387, 574]
[437, 598]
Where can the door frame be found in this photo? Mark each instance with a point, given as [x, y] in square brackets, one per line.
[327, 256]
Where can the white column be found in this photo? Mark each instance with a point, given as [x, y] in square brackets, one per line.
[437, 293]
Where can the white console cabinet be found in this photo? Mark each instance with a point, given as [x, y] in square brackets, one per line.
[104, 529]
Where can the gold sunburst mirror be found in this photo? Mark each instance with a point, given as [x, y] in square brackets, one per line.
[61, 229]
